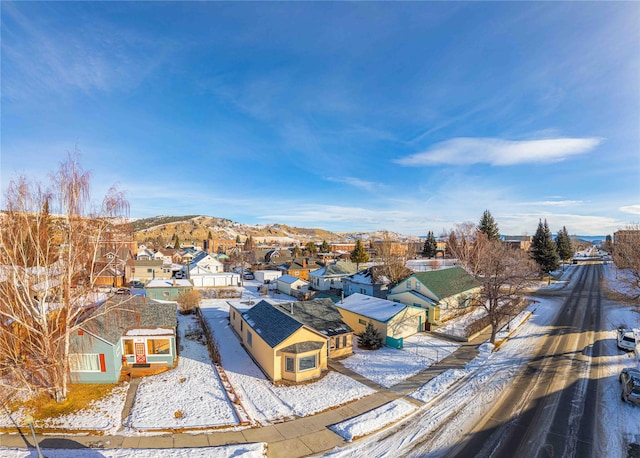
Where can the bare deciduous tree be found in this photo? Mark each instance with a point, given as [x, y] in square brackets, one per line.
[391, 264]
[50, 264]
[505, 273]
[626, 256]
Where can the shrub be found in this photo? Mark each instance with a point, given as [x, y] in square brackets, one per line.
[178, 414]
[188, 301]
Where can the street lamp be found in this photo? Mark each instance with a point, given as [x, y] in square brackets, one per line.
[29, 420]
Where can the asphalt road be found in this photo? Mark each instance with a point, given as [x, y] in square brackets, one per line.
[551, 409]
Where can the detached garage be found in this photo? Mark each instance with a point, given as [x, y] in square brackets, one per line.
[393, 320]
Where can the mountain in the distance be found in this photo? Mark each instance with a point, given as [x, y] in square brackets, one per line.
[161, 230]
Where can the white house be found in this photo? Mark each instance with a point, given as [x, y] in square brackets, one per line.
[288, 284]
[330, 277]
[266, 276]
[205, 271]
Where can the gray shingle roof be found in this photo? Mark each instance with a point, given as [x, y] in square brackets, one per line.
[320, 314]
[270, 323]
[302, 347]
[129, 312]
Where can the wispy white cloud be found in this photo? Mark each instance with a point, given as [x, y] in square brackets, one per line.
[633, 209]
[356, 182]
[553, 203]
[499, 152]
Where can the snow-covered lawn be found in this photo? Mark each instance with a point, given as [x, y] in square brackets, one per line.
[188, 396]
[255, 450]
[374, 420]
[264, 402]
[457, 326]
[389, 366]
[487, 375]
[102, 415]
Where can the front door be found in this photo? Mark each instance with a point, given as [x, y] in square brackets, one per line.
[141, 355]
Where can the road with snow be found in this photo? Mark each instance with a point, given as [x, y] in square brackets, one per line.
[551, 408]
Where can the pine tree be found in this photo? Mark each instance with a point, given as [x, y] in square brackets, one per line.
[311, 248]
[359, 254]
[370, 338]
[488, 226]
[563, 244]
[325, 248]
[296, 252]
[238, 241]
[430, 246]
[452, 244]
[248, 244]
[176, 245]
[543, 249]
[209, 236]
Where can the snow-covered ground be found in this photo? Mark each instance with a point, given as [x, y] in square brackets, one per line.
[482, 382]
[374, 419]
[388, 366]
[189, 396]
[255, 450]
[264, 402]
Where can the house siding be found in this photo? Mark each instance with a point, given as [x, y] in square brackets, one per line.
[89, 344]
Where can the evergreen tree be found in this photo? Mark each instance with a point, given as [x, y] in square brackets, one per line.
[296, 252]
[248, 244]
[238, 241]
[370, 338]
[325, 248]
[488, 226]
[176, 245]
[543, 249]
[311, 248]
[359, 254]
[608, 244]
[563, 244]
[452, 244]
[430, 246]
[209, 236]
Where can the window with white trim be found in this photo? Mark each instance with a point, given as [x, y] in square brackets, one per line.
[84, 362]
[289, 364]
[307, 363]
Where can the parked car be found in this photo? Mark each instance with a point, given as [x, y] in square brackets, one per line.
[630, 379]
[248, 276]
[136, 284]
[123, 292]
[626, 339]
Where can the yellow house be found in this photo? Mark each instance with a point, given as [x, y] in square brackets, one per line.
[393, 320]
[322, 315]
[284, 348]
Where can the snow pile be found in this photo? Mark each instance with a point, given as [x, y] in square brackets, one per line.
[190, 395]
[389, 366]
[511, 327]
[255, 450]
[373, 420]
[440, 383]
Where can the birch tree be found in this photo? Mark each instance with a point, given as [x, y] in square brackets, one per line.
[50, 264]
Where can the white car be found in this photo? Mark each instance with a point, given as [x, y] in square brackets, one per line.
[626, 339]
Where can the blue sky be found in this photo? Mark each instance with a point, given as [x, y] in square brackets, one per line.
[406, 117]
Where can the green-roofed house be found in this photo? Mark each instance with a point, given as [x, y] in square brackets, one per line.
[122, 333]
[283, 347]
[441, 292]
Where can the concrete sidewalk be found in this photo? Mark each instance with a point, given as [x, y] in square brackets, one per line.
[296, 438]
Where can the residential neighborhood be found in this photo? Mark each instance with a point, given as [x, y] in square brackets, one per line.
[319, 229]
